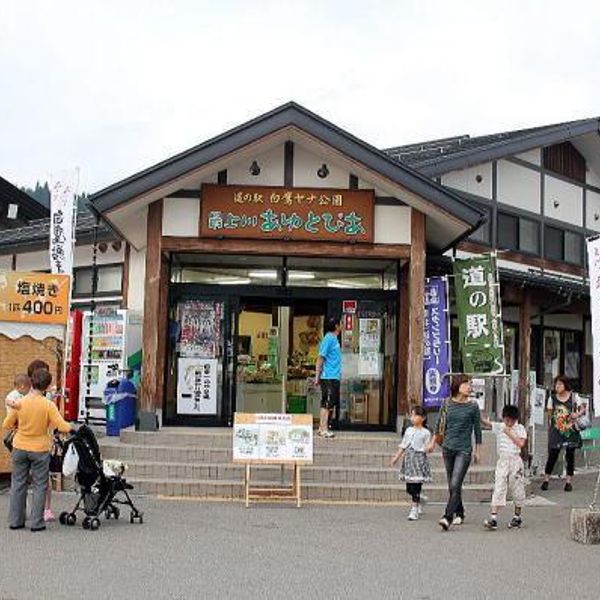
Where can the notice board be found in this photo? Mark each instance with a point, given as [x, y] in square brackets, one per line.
[260, 438]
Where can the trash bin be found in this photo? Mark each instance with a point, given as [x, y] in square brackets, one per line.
[120, 397]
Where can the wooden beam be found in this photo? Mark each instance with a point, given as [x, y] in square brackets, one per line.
[416, 310]
[403, 316]
[524, 357]
[283, 248]
[149, 388]
[126, 271]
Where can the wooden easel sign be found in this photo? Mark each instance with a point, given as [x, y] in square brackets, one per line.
[273, 439]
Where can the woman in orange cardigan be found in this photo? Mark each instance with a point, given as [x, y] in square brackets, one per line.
[35, 417]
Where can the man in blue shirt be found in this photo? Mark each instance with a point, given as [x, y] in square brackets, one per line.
[329, 373]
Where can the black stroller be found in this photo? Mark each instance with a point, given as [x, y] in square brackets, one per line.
[98, 491]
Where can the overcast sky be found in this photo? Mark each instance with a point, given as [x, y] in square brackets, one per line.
[112, 86]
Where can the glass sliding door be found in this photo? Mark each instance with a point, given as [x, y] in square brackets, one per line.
[197, 349]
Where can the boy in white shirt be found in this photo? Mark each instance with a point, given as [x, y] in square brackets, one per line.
[511, 437]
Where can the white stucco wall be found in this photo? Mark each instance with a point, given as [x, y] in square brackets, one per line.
[137, 276]
[519, 186]
[181, 217]
[466, 180]
[531, 156]
[40, 261]
[33, 261]
[6, 262]
[271, 169]
[306, 165]
[83, 255]
[569, 198]
[392, 224]
[592, 177]
[593, 210]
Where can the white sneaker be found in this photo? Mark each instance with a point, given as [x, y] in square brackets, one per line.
[413, 515]
[420, 510]
[457, 520]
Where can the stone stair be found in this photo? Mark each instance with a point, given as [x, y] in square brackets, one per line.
[353, 467]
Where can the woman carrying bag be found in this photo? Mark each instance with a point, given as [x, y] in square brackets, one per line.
[566, 416]
[31, 450]
[459, 421]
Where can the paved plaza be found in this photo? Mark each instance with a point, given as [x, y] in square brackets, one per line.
[192, 549]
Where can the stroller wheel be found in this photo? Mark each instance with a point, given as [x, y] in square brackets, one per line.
[95, 524]
[136, 517]
[86, 523]
[71, 519]
[62, 519]
[108, 514]
[116, 512]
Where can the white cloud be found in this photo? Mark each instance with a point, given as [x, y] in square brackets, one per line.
[113, 86]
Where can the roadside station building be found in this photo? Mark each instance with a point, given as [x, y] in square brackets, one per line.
[238, 249]
[242, 246]
[540, 190]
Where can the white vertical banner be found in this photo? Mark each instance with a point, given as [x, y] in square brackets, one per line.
[62, 223]
[593, 246]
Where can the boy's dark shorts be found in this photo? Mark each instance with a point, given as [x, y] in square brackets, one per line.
[330, 393]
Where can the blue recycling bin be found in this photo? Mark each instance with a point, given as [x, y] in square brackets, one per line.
[120, 397]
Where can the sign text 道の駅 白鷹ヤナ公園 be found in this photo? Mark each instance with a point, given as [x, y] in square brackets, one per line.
[287, 213]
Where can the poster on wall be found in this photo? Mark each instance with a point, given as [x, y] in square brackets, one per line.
[200, 324]
[538, 405]
[436, 343]
[593, 247]
[369, 343]
[272, 438]
[478, 392]
[197, 386]
[479, 317]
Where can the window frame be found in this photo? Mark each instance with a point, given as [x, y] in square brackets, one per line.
[104, 294]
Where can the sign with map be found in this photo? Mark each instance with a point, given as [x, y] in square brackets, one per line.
[272, 438]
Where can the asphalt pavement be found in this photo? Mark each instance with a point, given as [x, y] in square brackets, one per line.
[193, 549]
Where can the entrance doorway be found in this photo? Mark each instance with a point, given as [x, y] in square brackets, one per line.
[258, 345]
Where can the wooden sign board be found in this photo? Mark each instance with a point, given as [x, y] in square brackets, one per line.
[309, 214]
[34, 297]
[272, 439]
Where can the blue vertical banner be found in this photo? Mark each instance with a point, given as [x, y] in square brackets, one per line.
[436, 341]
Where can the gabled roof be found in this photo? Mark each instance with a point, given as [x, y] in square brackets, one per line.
[29, 208]
[36, 234]
[436, 157]
[290, 114]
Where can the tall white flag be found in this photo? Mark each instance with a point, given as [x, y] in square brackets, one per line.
[594, 267]
[62, 221]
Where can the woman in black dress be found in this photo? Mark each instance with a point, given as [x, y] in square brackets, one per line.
[563, 411]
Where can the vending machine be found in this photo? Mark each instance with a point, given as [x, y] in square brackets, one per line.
[111, 340]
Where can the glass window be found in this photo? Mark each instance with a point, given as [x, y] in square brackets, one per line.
[227, 269]
[573, 248]
[529, 236]
[110, 280]
[342, 274]
[554, 243]
[508, 232]
[483, 234]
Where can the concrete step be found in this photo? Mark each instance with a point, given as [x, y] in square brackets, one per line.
[329, 456]
[312, 491]
[222, 438]
[375, 442]
[215, 472]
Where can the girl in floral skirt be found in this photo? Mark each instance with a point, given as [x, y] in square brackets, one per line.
[415, 469]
